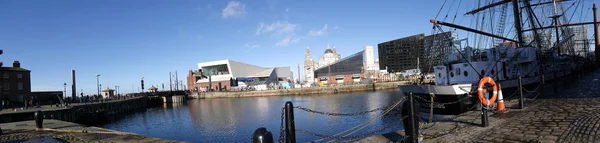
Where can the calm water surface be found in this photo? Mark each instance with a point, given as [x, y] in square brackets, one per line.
[235, 119]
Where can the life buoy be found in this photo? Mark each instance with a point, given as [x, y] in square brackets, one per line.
[481, 91]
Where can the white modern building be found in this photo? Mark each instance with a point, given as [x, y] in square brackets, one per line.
[370, 59]
[218, 75]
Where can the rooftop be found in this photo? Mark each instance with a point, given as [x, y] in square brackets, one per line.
[13, 69]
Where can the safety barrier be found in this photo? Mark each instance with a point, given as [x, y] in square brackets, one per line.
[288, 129]
[409, 119]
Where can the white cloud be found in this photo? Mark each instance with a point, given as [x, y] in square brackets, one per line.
[234, 9]
[336, 27]
[286, 41]
[279, 29]
[318, 32]
[251, 46]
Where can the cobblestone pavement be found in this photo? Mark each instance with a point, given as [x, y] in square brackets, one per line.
[572, 114]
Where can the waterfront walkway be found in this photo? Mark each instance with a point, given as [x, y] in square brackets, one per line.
[54, 107]
[571, 114]
[67, 132]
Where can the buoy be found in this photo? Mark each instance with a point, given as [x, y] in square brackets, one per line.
[481, 90]
[501, 107]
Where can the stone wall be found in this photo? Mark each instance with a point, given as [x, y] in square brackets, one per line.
[302, 91]
[79, 112]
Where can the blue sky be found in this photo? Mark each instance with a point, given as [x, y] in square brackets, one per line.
[126, 40]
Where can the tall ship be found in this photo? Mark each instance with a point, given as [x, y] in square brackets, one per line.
[545, 45]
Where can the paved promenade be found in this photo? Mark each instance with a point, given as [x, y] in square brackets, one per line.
[60, 131]
[53, 107]
[571, 114]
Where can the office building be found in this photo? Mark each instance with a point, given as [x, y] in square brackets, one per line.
[401, 54]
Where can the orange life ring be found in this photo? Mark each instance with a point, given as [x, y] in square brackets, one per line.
[481, 91]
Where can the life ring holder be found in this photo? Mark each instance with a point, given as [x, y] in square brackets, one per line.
[481, 90]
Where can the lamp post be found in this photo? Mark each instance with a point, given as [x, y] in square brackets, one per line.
[142, 84]
[65, 91]
[98, 83]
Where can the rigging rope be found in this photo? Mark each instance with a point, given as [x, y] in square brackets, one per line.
[459, 2]
[440, 9]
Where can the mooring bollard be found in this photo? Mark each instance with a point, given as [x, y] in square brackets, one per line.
[39, 119]
[521, 100]
[262, 135]
[411, 123]
[290, 129]
[484, 116]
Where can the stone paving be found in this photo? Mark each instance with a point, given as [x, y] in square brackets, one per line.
[68, 132]
[52, 107]
[571, 113]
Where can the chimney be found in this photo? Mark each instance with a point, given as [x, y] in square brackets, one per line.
[16, 64]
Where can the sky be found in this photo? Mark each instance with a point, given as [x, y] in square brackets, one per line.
[124, 41]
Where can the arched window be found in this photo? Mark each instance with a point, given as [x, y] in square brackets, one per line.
[466, 73]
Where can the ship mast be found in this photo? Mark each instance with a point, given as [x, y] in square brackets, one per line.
[555, 17]
[517, 16]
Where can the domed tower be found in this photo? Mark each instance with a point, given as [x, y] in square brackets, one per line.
[337, 55]
[309, 66]
[328, 58]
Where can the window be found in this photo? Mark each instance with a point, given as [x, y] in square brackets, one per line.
[466, 74]
[19, 75]
[20, 86]
[451, 74]
[5, 75]
[5, 85]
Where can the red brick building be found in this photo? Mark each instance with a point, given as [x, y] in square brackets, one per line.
[15, 83]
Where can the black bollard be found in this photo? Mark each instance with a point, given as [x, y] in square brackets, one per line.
[290, 129]
[411, 123]
[484, 117]
[39, 119]
[262, 135]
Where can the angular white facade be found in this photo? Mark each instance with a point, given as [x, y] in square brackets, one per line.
[224, 70]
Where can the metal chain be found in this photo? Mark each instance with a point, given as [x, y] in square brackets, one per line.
[513, 94]
[530, 91]
[445, 103]
[349, 114]
[340, 114]
[281, 131]
[536, 96]
[370, 133]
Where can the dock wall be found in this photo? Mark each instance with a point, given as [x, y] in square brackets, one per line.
[301, 91]
[80, 113]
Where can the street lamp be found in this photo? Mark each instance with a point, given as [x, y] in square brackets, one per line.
[142, 84]
[65, 92]
[98, 83]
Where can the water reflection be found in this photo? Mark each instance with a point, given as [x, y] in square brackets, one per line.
[235, 119]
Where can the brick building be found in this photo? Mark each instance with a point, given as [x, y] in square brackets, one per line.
[15, 83]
